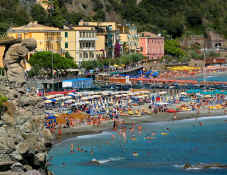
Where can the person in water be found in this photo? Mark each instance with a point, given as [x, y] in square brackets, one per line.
[71, 148]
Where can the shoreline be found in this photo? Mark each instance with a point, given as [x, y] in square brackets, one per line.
[68, 133]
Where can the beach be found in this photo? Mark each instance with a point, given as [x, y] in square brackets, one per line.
[171, 145]
[108, 125]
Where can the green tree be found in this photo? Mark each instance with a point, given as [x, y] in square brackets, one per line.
[172, 48]
[100, 15]
[44, 61]
[39, 14]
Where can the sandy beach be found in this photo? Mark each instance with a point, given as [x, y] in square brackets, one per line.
[108, 125]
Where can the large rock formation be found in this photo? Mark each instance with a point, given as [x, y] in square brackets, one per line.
[24, 141]
[15, 60]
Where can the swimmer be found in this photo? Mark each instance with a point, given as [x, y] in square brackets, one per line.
[94, 161]
[113, 136]
[153, 133]
[135, 154]
[148, 138]
[71, 148]
[133, 138]
[200, 123]
[78, 148]
[92, 152]
[63, 164]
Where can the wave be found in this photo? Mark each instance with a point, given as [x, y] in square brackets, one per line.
[111, 159]
[93, 135]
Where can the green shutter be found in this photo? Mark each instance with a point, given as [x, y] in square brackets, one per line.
[66, 45]
[66, 34]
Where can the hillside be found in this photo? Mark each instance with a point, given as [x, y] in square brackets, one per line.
[172, 17]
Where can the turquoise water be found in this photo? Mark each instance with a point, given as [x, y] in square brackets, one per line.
[221, 77]
[185, 141]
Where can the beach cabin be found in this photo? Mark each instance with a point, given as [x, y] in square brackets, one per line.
[78, 83]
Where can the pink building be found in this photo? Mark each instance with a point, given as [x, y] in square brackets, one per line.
[151, 45]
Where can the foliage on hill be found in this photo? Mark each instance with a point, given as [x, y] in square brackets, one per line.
[172, 17]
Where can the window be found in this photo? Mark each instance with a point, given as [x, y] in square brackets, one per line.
[81, 35]
[85, 55]
[87, 44]
[81, 55]
[84, 45]
[81, 45]
[66, 45]
[91, 55]
[93, 44]
[66, 34]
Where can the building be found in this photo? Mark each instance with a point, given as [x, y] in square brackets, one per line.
[48, 38]
[151, 45]
[107, 36]
[80, 43]
[128, 38]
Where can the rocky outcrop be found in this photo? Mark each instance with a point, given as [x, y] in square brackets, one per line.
[24, 142]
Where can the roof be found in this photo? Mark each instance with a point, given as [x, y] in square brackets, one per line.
[33, 26]
[77, 79]
[148, 34]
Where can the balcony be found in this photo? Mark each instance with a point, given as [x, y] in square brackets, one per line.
[87, 39]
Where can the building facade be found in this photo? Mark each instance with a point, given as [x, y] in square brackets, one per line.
[128, 38]
[107, 36]
[48, 38]
[151, 45]
[80, 43]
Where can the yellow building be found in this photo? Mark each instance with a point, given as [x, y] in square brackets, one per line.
[99, 24]
[80, 43]
[107, 36]
[48, 38]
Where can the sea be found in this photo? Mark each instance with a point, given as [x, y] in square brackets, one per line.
[160, 148]
[219, 77]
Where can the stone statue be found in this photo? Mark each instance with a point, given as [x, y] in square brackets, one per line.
[15, 60]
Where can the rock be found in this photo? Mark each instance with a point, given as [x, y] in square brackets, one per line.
[5, 166]
[33, 172]
[8, 119]
[15, 155]
[40, 158]
[3, 143]
[17, 167]
[27, 127]
[28, 167]
[11, 143]
[22, 148]
[2, 131]
[23, 101]
[21, 119]
[47, 134]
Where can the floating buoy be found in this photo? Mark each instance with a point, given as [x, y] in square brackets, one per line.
[164, 133]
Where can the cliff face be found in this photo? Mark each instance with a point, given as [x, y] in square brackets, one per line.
[24, 141]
